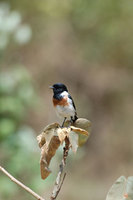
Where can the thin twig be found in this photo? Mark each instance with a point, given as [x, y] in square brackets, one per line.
[59, 182]
[21, 184]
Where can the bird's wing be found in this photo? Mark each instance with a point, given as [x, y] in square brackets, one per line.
[69, 96]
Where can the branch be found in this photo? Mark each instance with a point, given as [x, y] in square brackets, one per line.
[59, 182]
[21, 184]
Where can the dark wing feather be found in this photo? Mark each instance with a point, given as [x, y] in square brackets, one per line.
[69, 96]
[75, 117]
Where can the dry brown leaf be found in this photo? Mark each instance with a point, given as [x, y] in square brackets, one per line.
[52, 136]
[47, 152]
[82, 135]
[48, 142]
[45, 171]
[79, 131]
[47, 133]
[62, 133]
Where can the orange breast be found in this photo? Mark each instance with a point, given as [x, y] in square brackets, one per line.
[62, 102]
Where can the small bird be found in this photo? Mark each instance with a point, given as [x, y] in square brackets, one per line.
[63, 103]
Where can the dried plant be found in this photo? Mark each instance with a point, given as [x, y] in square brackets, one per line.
[73, 136]
[49, 140]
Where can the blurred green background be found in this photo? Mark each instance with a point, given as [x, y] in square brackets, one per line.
[88, 45]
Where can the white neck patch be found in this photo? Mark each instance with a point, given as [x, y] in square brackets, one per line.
[65, 93]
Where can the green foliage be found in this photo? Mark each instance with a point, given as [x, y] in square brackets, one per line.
[102, 30]
[11, 27]
[16, 95]
[7, 127]
[17, 141]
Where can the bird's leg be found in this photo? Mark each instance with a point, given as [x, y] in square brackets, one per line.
[63, 122]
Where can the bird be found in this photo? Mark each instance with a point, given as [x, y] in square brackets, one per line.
[63, 103]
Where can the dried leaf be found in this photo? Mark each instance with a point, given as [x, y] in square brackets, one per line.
[79, 131]
[45, 171]
[83, 123]
[62, 133]
[82, 140]
[47, 134]
[52, 136]
[49, 143]
[83, 135]
[41, 140]
[73, 138]
[47, 152]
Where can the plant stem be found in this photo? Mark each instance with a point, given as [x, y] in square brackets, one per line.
[21, 184]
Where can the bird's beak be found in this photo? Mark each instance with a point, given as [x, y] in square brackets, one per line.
[51, 87]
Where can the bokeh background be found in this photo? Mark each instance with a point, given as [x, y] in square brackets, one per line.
[88, 45]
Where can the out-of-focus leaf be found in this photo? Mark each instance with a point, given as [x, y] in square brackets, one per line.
[21, 75]
[7, 127]
[117, 190]
[129, 189]
[85, 125]
[122, 189]
[23, 34]
[3, 41]
[7, 83]
[13, 20]
[10, 22]
[82, 140]
[11, 27]
[26, 139]
[11, 106]
[4, 8]
[9, 189]
[26, 93]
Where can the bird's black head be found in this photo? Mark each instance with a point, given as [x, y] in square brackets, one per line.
[58, 88]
